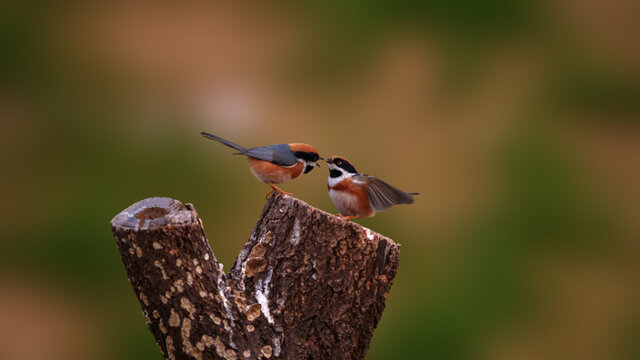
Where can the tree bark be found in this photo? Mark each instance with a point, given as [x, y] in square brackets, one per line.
[306, 285]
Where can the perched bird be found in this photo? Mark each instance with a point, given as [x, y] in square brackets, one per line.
[275, 164]
[359, 195]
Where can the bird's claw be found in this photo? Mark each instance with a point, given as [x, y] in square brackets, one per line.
[279, 192]
[346, 217]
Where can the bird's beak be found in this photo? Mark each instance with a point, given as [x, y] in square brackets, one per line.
[329, 161]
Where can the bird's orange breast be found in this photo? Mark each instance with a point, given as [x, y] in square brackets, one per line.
[269, 172]
[351, 199]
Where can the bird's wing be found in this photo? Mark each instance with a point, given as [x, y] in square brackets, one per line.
[382, 195]
[279, 154]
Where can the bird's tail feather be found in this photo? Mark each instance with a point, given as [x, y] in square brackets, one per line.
[226, 142]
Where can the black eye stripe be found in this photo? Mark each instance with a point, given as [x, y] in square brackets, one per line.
[344, 164]
[307, 156]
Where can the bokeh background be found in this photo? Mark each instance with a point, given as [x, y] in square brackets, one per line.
[517, 121]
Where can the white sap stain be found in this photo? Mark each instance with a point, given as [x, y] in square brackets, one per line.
[226, 307]
[295, 234]
[243, 270]
[369, 234]
[221, 286]
[227, 310]
[276, 347]
[262, 295]
[314, 276]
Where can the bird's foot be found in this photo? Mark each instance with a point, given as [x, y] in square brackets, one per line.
[347, 217]
[279, 192]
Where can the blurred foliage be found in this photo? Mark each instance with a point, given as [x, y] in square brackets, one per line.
[594, 90]
[78, 151]
[347, 35]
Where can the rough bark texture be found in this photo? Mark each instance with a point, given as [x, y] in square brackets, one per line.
[307, 284]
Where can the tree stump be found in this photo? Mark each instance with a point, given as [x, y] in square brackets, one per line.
[306, 285]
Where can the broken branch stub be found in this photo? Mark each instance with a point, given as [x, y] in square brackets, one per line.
[307, 284]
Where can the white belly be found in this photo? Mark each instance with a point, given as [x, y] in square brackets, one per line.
[344, 202]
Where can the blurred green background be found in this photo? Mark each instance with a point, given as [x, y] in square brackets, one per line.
[517, 121]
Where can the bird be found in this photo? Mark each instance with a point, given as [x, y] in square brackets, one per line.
[275, 164]
[358, 195]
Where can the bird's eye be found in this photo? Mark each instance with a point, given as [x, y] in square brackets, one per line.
[339, 162]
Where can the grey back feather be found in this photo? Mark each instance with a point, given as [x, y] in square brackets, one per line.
[279, 154]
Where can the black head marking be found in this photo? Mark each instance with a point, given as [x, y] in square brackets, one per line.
[307, 156]
[335, 173]
[346, 165]
[308, 168]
